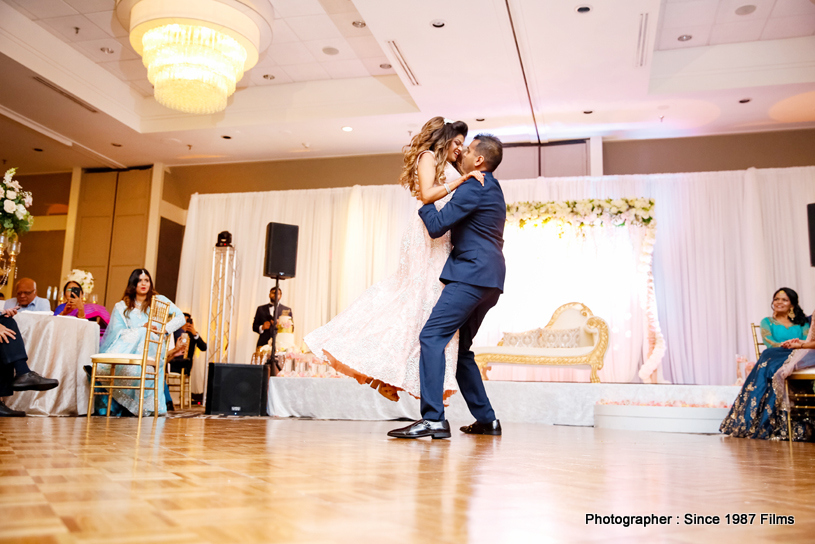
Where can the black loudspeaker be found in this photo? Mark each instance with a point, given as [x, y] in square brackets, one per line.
[281, 250]
[237, 390]
[811, 218]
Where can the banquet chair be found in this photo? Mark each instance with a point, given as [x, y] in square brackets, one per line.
[180, 383]
[156, 325]
[757, 340]
[798, 400]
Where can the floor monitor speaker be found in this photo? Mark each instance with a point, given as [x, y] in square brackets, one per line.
[281, 250]
[237, 390]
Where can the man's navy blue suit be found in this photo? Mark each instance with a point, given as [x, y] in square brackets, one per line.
[474, 279]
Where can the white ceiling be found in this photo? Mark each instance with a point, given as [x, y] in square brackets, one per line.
[529, 68]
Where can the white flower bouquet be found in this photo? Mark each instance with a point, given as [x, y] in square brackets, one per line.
[582, 213]
[83, 278]
[15, 217]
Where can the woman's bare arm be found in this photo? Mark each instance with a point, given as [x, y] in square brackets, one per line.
[428, 192]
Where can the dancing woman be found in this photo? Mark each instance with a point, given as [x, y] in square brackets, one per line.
[376, 338]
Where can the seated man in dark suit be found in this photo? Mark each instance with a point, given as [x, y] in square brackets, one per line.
[14, 372]
[263, 317]
[187, 340]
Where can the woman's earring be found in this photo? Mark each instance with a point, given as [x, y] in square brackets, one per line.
[791, 314]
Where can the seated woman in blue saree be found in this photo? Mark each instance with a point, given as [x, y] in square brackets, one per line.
[757, 411]
[126, 333]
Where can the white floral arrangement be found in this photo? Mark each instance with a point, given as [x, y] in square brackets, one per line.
[582, 213]
[15, 217]
[83, 278]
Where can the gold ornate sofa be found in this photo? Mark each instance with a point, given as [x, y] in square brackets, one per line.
[591, 350]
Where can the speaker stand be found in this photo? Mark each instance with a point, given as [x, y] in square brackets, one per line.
[275, 368]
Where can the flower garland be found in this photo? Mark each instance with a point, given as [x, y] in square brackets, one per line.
[83, 278]
[14, 216]
[582, 213]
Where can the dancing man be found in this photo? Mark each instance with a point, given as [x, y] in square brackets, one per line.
[474, 279]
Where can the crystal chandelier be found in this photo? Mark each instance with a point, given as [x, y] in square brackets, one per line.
[196, 51]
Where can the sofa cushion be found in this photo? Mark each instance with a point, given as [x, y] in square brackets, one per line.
[526, 339]
[534, 352]
[560, 338]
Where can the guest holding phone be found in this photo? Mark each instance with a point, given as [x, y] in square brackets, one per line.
[75, 306]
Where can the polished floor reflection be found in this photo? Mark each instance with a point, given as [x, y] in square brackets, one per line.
[275, 480]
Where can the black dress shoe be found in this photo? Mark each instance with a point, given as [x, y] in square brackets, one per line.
[5, 411]
[31, 381]
[493, 428]
[422, 428]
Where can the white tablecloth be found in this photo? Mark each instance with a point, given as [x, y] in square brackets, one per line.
[58, 347]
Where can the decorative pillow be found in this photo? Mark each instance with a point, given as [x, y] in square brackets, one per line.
[560, 338]
[527, 339]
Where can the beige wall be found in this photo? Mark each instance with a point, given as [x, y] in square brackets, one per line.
[710, 153]
[183, 181]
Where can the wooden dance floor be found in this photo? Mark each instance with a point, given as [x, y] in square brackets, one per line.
[65, 480]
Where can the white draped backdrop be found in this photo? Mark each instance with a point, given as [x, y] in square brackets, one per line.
[725, 241]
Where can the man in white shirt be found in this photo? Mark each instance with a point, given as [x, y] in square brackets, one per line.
[27, 299]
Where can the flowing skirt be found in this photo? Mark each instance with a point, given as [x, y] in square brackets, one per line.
[376, 338]
[757, 410]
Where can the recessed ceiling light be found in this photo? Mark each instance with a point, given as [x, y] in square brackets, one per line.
[116, 145]
[106, 50]
[746, 9]
[385, 66]
[583, 9]
[330, 50]
[744, 100]
[587, 112]
[347, 129]
[684, 37]
[268, 76]
[437, 23]
[359, 24]
[226, 137]
[480, 119]
[38, 149]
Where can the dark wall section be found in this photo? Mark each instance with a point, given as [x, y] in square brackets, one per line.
[170, 237]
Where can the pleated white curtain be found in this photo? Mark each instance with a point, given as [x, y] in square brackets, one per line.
[725, 241]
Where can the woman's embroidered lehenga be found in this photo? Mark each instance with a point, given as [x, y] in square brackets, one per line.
[125, 334]
[759, 411]
[376, 338]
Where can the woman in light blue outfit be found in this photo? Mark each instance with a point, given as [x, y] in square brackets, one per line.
[758, 411]
[126, 333]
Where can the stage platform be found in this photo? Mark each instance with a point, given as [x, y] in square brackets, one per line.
[514, 402]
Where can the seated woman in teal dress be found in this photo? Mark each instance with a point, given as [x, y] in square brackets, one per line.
[126, 333]
[757, 411]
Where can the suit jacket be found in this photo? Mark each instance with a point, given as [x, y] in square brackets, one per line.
[263, 314]
[193, 343]
[475, 217]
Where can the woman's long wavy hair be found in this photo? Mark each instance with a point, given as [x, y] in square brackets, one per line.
[435, 135]
[799, 317]
[130, 291]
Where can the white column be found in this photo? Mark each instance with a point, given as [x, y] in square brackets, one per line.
[154, 217]
[596, 156]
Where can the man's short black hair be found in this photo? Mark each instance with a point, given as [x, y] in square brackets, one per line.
[491, 149]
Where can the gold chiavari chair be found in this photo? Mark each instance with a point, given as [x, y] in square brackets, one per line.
[156, 324]
[757, 339]
[180, 381]
[799, 399]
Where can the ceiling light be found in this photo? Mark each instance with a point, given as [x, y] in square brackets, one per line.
[588, 112]
[196, 52]
[359, 24]
[226, 137]
[38, 149]
[268, 76]
[116, 145]
[746, 9]
[480, 119]
[582, 9]
[330, 50]
[385, 66]
[437, 23]
[347, 129]
[744, 100]
[684, 37]
[106, 50]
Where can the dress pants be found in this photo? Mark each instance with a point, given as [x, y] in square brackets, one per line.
[461, 307]
[10, 352]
